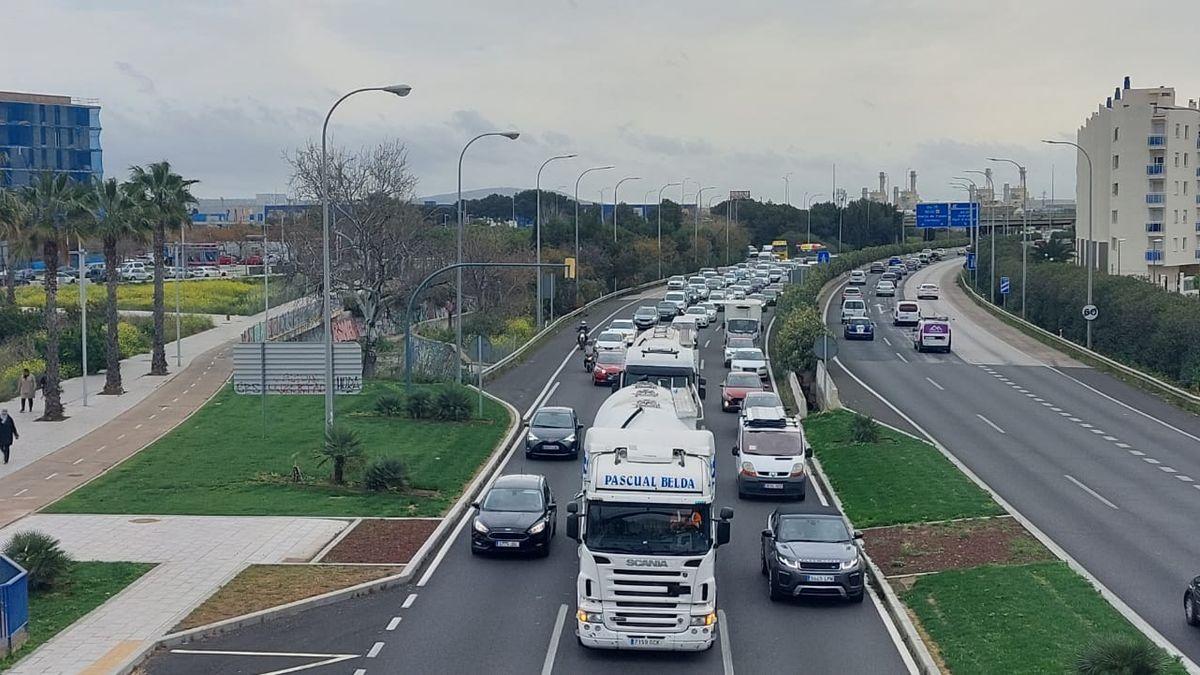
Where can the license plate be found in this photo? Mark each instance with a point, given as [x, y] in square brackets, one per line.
[508, 544]
[828, 578]
[645, 642]
[550, 446]
[773, 486]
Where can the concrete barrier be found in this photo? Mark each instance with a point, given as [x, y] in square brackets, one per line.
[798, 396]
[827, 392]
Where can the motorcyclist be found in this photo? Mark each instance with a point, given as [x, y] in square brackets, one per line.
[589, 356]
[582, 334]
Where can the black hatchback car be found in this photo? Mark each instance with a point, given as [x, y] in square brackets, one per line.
[1191, 603]
[517, 515]
[811, 553]
[553, 431]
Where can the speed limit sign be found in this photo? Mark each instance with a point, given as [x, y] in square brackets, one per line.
[1090, 312]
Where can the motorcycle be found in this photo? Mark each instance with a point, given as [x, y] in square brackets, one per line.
[589, 362]
[582, 337]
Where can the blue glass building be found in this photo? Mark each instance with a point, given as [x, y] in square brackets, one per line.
[48, 133]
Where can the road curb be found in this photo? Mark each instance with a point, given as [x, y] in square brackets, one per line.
[411, 569]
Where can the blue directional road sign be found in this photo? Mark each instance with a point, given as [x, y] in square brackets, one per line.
[822, 256]
[1005, 286]
[970, 261]
[947, 214]
[964, 214]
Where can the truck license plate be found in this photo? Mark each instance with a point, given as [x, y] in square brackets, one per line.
[773, 486]
[645, 642]
[827, 578]
[508, 544]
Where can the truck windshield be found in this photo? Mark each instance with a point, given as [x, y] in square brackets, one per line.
[663, 376]
[648, 529]
[741, 326]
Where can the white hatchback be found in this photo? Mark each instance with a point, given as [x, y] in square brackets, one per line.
[624, 327]
[858, 278]
[928, 292]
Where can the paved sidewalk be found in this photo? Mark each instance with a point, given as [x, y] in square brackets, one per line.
[53, 458]
[195, 556]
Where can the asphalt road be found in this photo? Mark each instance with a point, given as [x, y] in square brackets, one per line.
[1111, 474]
[470, 614]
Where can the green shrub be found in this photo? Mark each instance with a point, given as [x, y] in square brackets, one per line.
[1118, 655]
[385, 474]
[419, 404]
[131, 341]
[389, 405]
[41, 556]
[864, 430]
[454, 404]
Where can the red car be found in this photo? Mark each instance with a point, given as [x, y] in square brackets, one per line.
[226, 259]
[608, 368]
[254, 260]
[735, 388]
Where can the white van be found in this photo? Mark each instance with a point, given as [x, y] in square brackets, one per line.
[907, 313]
[932, 334]
[853, 308]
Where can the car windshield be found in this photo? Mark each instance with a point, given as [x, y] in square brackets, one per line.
[853, 304]
[859, 322]
[645, 311]
[674, 296]
[748, 355]
[805, 528]
[610, 358]
[552, 419]
[743, 380]
[623, 324]
[697, 310]
[778, 443]
[885, 284]
[527, 500]
[762, 399]
[648, 529]
[666, 305]
[717, 295]
[611, 336]
[907, 307]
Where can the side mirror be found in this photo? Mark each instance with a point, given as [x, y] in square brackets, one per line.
[552, 505]
[722, 532]
[702, 392]
[474, 505]
[726, 513]
[808, 452]
[524, 424]
[857, 534]
[573, 526]
[572, 507]
[767, 534]
[735, 451]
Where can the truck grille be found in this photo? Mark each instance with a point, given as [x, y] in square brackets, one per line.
[650, 600]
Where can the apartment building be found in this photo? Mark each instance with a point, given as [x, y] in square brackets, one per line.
[41, 132]
[1146, 188]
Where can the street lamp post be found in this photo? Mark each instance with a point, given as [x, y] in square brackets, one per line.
[1091, 244]
[538, 231]
[696, 229]
[987, 174]
[808, 212]
[326, 272]
[458, 353]
[581, 175]
[1024, 228]
[972, 194]
[615, 202]
[660, 200]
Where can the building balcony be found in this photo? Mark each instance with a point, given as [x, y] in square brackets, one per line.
[1156, 169]
[1154, 256]
[1154, 227]
[1157, 197]
[1156, 140]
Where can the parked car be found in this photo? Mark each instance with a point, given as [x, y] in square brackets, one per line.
[207, 272]
[859, 329]
[810, 551]
[608, 368]
[517, 514]
[133, 270]
[554, 431]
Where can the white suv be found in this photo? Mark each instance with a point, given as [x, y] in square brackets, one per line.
[134, 271]
[907, 313]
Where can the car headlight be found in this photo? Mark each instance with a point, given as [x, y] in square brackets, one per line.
[748, 469]
[798, 469]
[480, 527]
[569, 439]
[850, 564]
[709, 619]
[531, 438]
[537, 527]
[589, 617]
[787, 562]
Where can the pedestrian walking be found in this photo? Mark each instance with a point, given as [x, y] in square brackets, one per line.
[26, 388]
[8, 433]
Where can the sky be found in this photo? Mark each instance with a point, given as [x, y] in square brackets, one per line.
[732, 95]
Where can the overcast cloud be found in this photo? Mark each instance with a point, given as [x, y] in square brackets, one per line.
[734, 94]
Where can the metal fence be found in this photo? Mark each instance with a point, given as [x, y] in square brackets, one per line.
[302, 316]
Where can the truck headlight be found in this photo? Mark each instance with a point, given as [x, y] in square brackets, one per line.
[588, 617]
[709, 619]
[480, 527]
[537, 527]
[850, 564]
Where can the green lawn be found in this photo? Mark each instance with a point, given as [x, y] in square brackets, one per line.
[88, 585]
[218, 463]
[1013, 619]
[898, 480]
[199, 296]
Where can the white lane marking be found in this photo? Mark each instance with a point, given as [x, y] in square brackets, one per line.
[326, 659]
[1110, 439]
[1186, 479]
[1039, 399]
[1098, 432]
[175, 400]
[1085, 425]
[1056, 408]
[1030, 395]
[101, 448]
[1126, 405]
[890, 625]
[701, 364]
[889, 342]
[393, 623]
[726, 653]
[51, 476]
[1092, 492]
[1196, 486]
[1167, 469]
[1123, 446]
[137, 426]
[120, 437]
[555, 636]
[1074, 419]
[901, 356]
[22, 491]
[375, 649]
[1045, 403]
[550, 394]
[930, 381]
[1137, 453]
[77, 461]
[1064, 413]
[1151, 460]
[467, 514]
[153, 416]
[360, 671]
[989, 423]
[408, 602]
[706, 343]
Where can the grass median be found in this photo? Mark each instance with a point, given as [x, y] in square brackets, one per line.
[895, 480]
[87, 586]
[219, 462]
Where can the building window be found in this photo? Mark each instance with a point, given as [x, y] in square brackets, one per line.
[1116, 162]
[1114, 216]
[1176, 188]
[1114, 189]
[1176, 130]
[1177, 159]
[1185, 156]
[1185, 131]
[1116, 134]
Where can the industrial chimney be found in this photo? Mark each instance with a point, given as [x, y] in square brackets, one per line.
[882, 185]
[912, 182]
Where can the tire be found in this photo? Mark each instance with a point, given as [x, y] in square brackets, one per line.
[528, 455]
[1191, 609]
[802, 495]
[575, 455]
[762, 564]
[773, 592]
[857, 598]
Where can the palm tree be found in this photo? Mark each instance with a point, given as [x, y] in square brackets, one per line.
[113, 219]
[52, 205]
[164, 196]
[343, 448]
[12, 212]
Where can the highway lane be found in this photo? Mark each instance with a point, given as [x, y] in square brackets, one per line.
[503, 615]
[1110, 476]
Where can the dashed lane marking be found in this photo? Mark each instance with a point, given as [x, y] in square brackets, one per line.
[1092, 492]
[1167, 469]
[1137, 453]
[51, 476]
[393, 623]
[375, 649]
[21, 492]
[1110, 439]
[989, 423]
[555, 637]
[940, 387]
[77, 461]
[889, 342]
[1151, 460]
[1186, 479]
[901, 357]
[1123, 446]
[408, 602]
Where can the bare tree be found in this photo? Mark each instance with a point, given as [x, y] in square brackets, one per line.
[377, 230]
